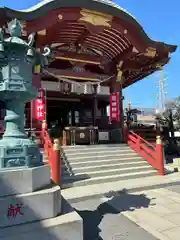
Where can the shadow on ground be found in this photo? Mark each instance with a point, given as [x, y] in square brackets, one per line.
[115, 204]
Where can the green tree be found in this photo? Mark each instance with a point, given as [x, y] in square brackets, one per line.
[172, 112]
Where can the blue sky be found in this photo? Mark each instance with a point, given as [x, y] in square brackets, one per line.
[160, 19]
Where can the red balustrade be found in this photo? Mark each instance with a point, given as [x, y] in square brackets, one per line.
[152, 153]
[52, 152]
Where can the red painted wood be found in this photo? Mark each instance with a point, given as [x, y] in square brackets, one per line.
[80, 56]
[52, 155]
[56, 166]
[153, 154]
[160, 157]
[133, 33]
[69, 72]
[51, 18]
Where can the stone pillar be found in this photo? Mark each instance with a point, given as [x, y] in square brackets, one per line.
[117, 126]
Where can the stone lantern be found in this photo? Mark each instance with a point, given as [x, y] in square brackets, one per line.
[17, 60]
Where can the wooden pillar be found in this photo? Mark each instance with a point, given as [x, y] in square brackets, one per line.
[95, 105]
[159, 155]
[117, 126]
[115, 87]
[56, 163]
[121, 112]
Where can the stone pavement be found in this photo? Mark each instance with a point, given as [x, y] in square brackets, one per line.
[152, 203]
[161, 217]
[103, 222]
[76, 194]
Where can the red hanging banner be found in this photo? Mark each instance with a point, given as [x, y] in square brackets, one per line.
[40, 105]
[114, 107]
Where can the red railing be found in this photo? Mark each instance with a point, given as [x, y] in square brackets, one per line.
[52, 153]
[152, 153]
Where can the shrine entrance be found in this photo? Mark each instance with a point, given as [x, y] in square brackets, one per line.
[65, 112]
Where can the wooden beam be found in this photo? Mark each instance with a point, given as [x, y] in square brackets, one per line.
[134, 66]
[78, 57]
[50, 35]
[131, 81]
[146, 71]
[46, 21]
[86, 76]
[126, 54]
[131, 32]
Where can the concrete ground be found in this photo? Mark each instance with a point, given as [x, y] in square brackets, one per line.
[103, 222]
[174, 188]
[162, 217]
[152, 204]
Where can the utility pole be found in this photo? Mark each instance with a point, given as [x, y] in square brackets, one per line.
[161, 96]
[129, 104]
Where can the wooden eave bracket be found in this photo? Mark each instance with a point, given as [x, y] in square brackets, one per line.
[150, 52]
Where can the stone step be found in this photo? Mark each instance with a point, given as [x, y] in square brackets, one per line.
[93, 147]
[95, 152]
[105, 179]
[74, 169]
[95, 163]
[90, 157]
[109, 172]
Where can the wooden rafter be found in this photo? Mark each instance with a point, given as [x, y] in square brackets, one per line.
[82, 38]
[126, 54]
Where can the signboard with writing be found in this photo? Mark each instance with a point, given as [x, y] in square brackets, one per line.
[114, 107]
[40, 105]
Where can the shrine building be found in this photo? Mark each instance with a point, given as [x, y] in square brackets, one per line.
[98, 49]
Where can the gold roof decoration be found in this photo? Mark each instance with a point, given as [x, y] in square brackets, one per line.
[95, 18]
[150, 52]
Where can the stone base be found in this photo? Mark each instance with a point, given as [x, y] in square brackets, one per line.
[23, 180]
[15, 152]
[18, 209]
[68, 226]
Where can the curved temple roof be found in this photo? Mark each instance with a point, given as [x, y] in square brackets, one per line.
[120, 32]
[105, 6]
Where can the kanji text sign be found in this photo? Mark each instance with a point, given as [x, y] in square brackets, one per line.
[40, 105]
[114, 107]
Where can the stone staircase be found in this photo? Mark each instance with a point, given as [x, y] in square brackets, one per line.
[87, 165]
